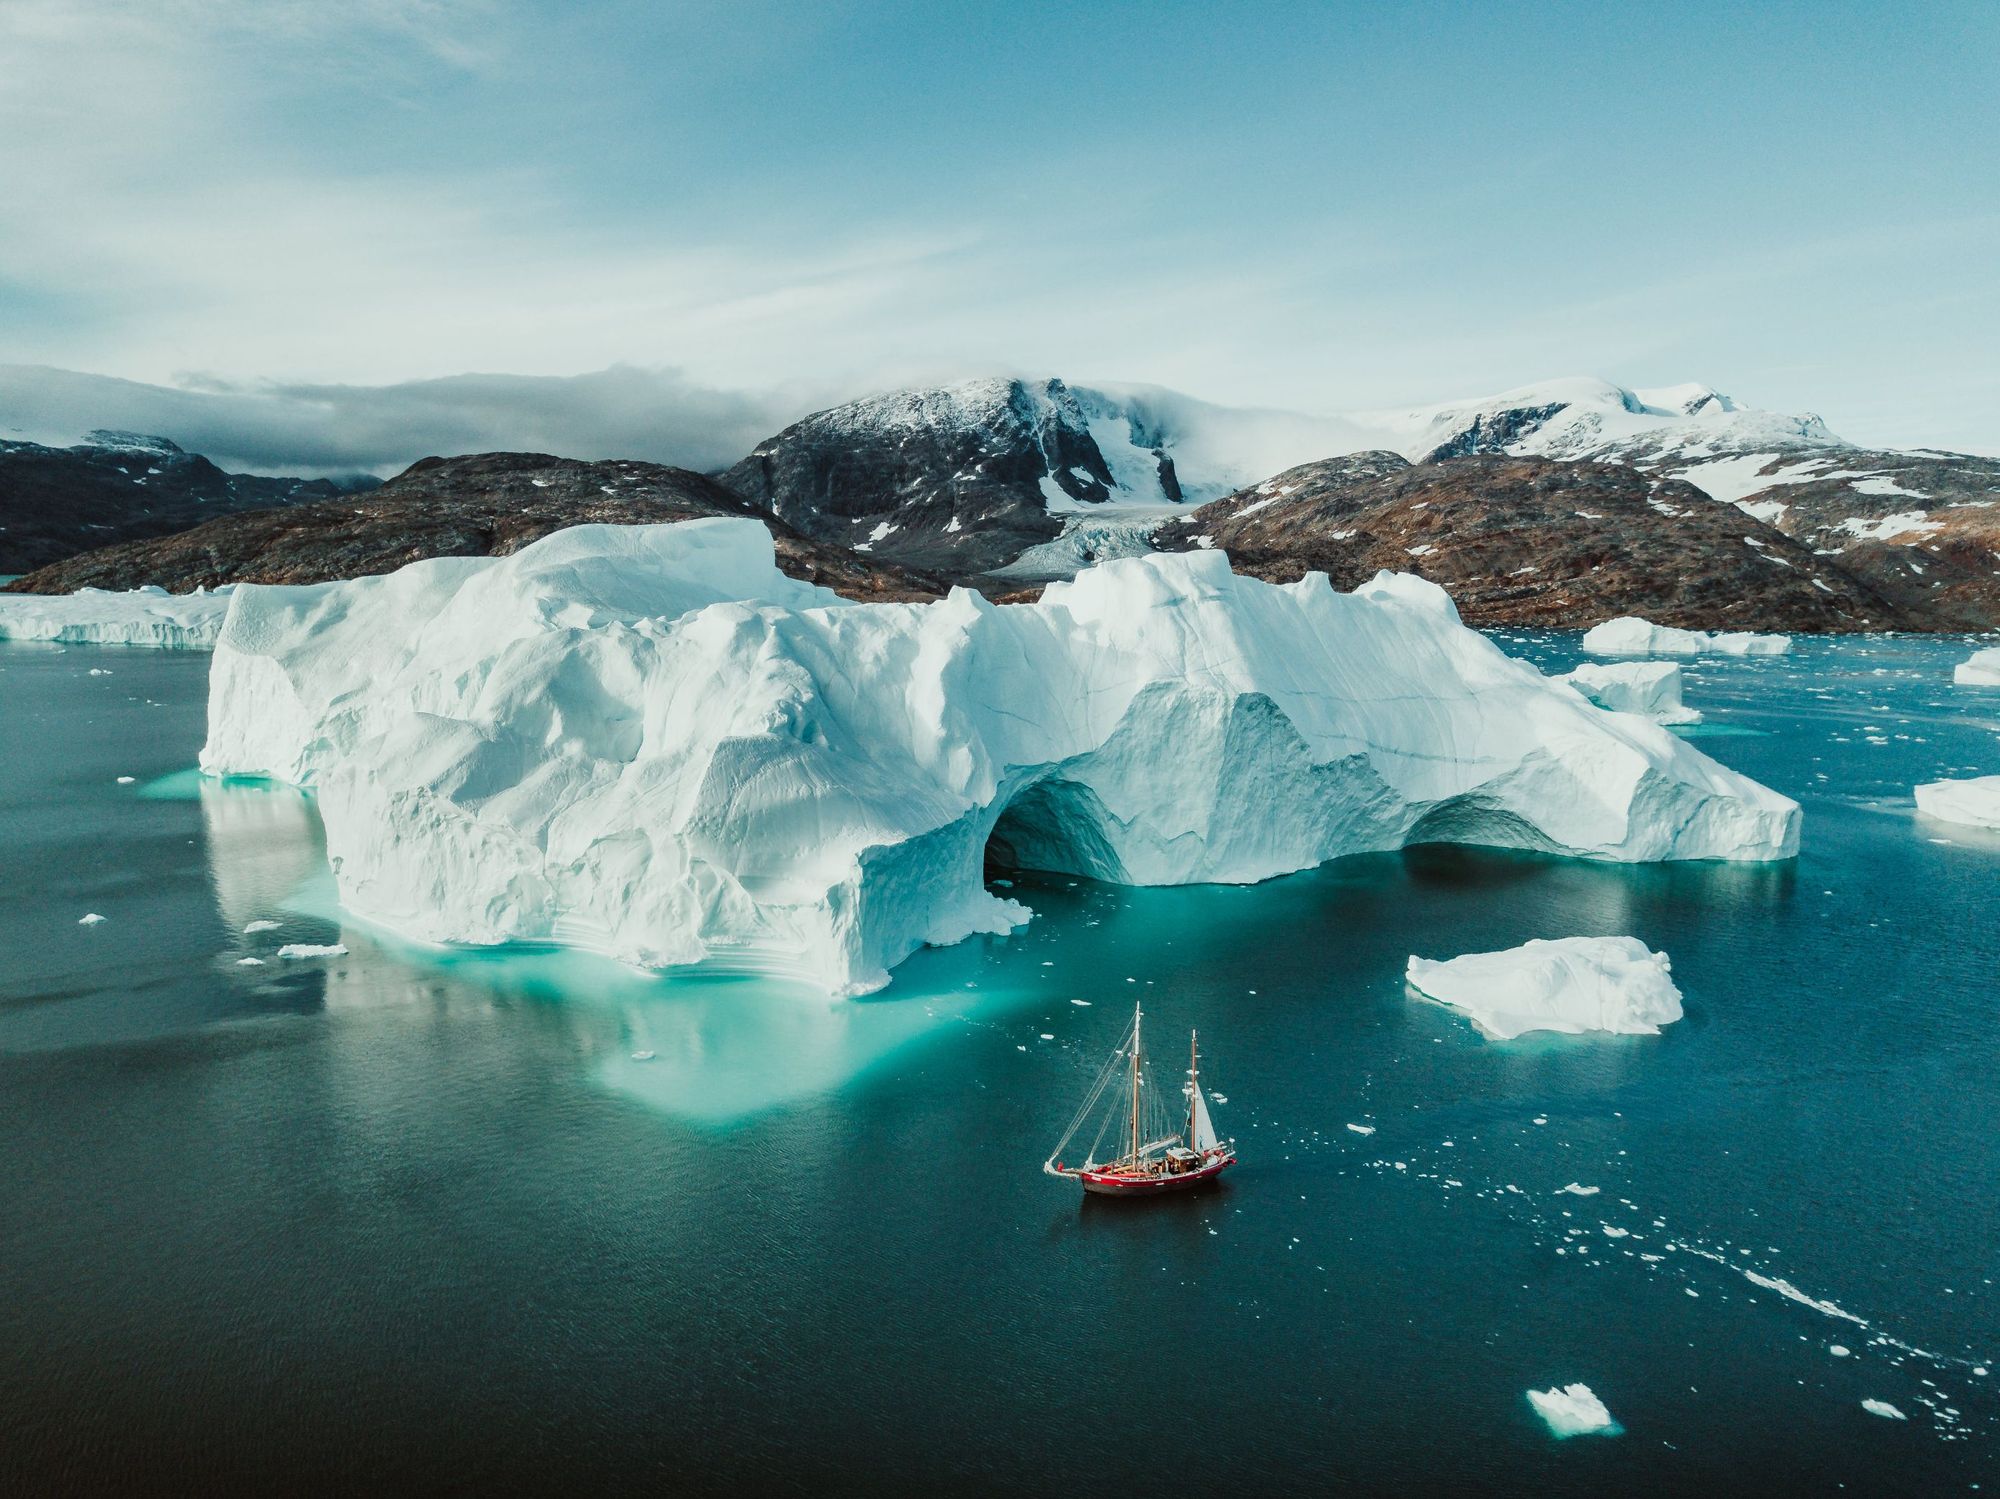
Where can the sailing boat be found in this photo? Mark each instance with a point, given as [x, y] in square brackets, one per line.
[1159, 1148]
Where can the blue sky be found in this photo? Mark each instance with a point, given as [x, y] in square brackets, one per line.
[1324, 207]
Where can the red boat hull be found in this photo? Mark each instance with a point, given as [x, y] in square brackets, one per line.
[1118, 1184]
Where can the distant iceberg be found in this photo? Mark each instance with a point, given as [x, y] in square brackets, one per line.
[97, 616]
[1571, 984]
[1973, 803]
[1573, 1411]
[647, 741]
[1649, 688]
[1981, 669]
[1632, 636]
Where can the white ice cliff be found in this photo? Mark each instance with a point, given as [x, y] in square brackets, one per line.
[1973, 803]
[648, 741]
[1632, 636]
[1649, 688]
[96, 616]
[1572, 984]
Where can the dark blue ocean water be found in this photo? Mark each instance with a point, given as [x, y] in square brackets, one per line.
[420, 1222]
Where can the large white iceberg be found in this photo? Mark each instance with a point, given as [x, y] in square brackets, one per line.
[1573, 1411]
[1649, 688]
[648, 741]
[97, 616]
[1981, 669]
[1571, 984]
[1973, 803]
[1631, 636]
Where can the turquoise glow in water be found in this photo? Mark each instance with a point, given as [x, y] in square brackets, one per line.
[423, 1218]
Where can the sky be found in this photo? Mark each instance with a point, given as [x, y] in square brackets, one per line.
[346, 234]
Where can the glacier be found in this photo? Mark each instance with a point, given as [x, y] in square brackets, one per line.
[648, 742]
[1630, 635]
[1571, 984]
[1651, 689]
[97, 616]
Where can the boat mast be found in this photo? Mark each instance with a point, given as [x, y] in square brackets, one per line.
[1194, 1082]
[1135, 1084]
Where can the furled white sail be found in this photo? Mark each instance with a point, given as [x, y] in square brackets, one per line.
[1203, 1130]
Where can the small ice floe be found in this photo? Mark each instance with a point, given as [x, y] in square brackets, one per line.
[1047, 1035]
[1651, 689]
[1973, 803]
[1572, 985]
[1840, 1352]
[98, 671]
[1577, 1189]
[89, 918]
[1612, 1231]
[259, 926]
[1362, 1129]
[312, 950]
[1632, 636]
[1219, 1097]
[126, 780]
[249, 962]
[1082, 1003]
[1573, 1411]
[642, 1056]
[1792, 1293]
[1884, 1409]
[1981, 670]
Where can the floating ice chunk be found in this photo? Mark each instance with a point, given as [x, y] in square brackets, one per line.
[260, 926]
[1612, 1231]
[1576, 1189]
[1972, 803]
[89, 918]
[1571, 984]
[95, 616]
[1883, 1408]
[1649, 688]
[1838, 1351]
[648, 741]
[249, 962]
[312, 950]
[1362, 1129]
[1981, 669]
[1573, 1411]
[1632, 636]
[126, 780]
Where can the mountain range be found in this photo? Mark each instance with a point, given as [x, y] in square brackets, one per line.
[1564, 502]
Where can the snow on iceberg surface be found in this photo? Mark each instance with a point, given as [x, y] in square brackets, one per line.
[647, 741]
[1573, 984]
[1573, 1411]
[97, 616]
[1981, 669]
[1632, 636]
[1972, 803]
[1649, 688]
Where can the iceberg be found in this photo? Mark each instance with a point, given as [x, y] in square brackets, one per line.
[97, 616]
[1973, 803]
[1980, 669]
[1632, 636]
[1651, 689]
[648, 742]
[1884, 1409]
[1571, 984]
[1573, 1411]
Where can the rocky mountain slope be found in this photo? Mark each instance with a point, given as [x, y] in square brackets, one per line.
[121, 486]
[490, 504]
[968, 477]
[1921, 528]
[1538, 541]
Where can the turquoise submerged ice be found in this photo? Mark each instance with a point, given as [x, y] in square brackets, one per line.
[649, 742]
